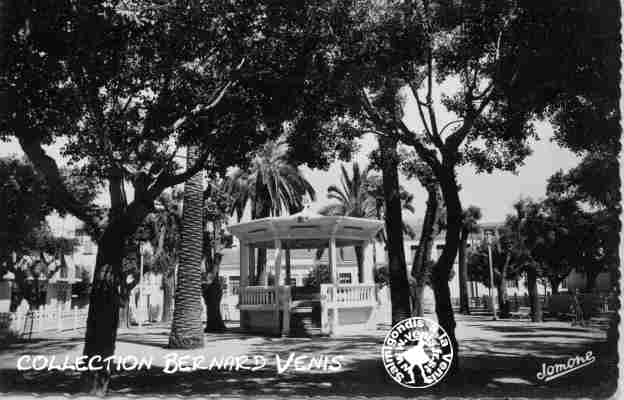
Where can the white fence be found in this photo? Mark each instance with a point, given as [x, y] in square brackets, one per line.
[26, 323]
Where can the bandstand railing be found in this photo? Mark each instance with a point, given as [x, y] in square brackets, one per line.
[361, 294]
[255, 297]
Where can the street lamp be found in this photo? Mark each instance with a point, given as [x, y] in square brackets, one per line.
[488, 239]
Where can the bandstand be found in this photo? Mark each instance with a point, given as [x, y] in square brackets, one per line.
[279, 308]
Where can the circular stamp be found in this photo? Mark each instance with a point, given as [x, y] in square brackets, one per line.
[417, 353]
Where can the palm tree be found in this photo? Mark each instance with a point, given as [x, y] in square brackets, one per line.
[270, 185]
[186, 329]
[353, 200]
[471, 216]
[360, 195]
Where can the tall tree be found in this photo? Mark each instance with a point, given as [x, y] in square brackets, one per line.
[470, 225]
[399, 285]
[186, 328]
[433, 223]
[123, 111]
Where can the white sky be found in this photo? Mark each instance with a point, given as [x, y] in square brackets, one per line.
[493, 193]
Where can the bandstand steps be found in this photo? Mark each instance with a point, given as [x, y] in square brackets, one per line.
[305, 319]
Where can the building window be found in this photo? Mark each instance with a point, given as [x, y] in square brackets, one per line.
[234, 283]
[344, 277]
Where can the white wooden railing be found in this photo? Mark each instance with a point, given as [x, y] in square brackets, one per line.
[263, 296]
[358, 294]
[26, 323]
[267, 298]
[345, 298]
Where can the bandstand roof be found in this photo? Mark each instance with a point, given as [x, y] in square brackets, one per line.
[306, 230]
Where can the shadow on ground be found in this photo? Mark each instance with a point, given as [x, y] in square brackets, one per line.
[499, 360]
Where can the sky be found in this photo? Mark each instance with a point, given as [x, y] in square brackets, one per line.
[494, 193]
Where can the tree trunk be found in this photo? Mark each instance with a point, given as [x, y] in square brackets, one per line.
[422, 256]
[503, 300]
[213, 292]
[442, 296]
[504, 308]
[418, 307]
[168, 291]
[444, 265]
[186, 329]
[590, 284]
[399, 286]
[212, 296]
[104, 303]
[536, 307]
[464, 305]
[554, 285]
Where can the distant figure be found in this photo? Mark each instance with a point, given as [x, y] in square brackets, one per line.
[415, 356]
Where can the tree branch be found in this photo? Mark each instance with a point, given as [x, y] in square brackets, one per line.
[168, 180]
[426, 154]
[213, 100]
[62, 197]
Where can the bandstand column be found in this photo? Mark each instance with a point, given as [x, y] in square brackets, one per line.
[368, 267]
[252, 279]
[244, 279]
[276, 284]
[278, 261]
[333, 268]
[244, 265]
[333, 265]
[287, 259]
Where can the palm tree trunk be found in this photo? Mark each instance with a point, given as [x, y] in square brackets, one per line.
[186, 329]
[399, 286]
